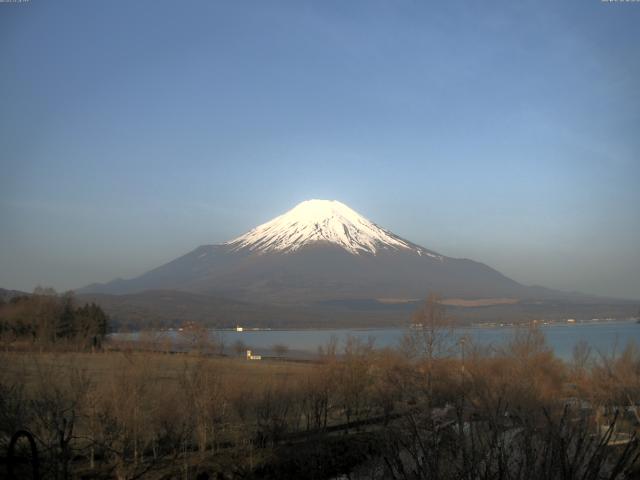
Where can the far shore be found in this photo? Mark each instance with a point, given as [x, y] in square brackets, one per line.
[539, 323]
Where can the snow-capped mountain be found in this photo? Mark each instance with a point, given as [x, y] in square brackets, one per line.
[322, 221]
[320, 250]
[321, 263]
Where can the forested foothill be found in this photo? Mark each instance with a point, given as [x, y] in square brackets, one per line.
[436, 407]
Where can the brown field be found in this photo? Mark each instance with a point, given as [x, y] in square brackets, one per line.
[481, 302]
[455, 302]
[162, 370]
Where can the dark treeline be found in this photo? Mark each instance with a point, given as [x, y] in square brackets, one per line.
[46, 318]
[430, 409]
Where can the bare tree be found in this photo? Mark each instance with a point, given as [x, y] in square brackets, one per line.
[200, 382]
[280, 349]
[56, 408]
[616, 380]
[316, 397]
[239, 347]
[354, 379]
[196, 338]
[431, 336]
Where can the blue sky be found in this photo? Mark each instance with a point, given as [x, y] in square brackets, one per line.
[506, 132]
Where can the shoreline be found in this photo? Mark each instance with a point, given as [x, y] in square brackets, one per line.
[488, 325]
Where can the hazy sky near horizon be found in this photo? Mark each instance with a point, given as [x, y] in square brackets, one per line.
[506, 132]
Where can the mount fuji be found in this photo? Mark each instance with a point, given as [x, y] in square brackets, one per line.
[320, 250]
[323, 264]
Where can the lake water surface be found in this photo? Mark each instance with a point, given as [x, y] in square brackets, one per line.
[605, 336]
[601, 336]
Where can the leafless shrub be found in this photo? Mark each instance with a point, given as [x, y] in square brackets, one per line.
[280, 349]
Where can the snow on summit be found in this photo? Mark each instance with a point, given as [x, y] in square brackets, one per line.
[321, 221]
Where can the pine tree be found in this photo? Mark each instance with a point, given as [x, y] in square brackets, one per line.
[65, 323]
[91, 324]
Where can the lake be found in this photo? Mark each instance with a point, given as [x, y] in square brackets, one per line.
[603, 336]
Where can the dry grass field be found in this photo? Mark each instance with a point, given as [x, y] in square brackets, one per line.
[162, 370]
